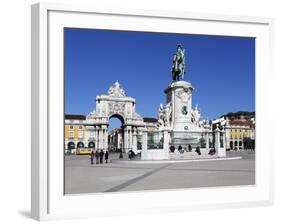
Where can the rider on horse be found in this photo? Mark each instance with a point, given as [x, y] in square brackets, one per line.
[178, 67]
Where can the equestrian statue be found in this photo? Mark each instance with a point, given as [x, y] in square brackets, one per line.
[178, 67]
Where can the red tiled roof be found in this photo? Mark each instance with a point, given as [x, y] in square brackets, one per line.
[240, 123]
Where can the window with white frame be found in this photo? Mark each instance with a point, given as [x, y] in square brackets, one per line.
[71, 134]
[80, 133]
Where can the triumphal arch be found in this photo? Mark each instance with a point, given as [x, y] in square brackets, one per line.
[114, 104]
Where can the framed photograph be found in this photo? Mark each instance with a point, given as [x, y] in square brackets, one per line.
[148, 111]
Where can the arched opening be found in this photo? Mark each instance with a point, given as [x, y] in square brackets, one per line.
[70, 145]
[80, 145]
[235, 145]
[116, 133]
[231, 145]
[91, 144]
[240, 144]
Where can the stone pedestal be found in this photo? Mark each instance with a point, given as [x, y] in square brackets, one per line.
[179, 97]
[166, 145]
[144, 141]
[156, 154]
[207, 141]
[221, 150]
[183, 120]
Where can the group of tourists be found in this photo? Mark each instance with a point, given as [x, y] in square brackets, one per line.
[98, 156]
[181, 149]
[186, 149]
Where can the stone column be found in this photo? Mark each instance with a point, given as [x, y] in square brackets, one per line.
[135, 140]
[224, 138]
[106, 138]
[128, 138]
[173, 106]
[144, 144]
[166, 136]
[96, 136]
[207, 140]
[101, 138]
[227, 138]
[104, 141]
[97, 139]
[125, 139]
[119, 136]
[131, 138]
[217, 138]
[221, 150]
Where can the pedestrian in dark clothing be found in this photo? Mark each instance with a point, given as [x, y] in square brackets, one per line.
[189, 148]
[97, 157]
[131, 154]
[198, 150]
[101, 156]
[106, 156]
[92, 155]
[121, 155]
[180, 149]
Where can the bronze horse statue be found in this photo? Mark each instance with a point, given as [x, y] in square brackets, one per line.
[178, 67]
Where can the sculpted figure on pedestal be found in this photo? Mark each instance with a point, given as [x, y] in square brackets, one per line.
[161, 115]
[116, 90]
[164, 115]
[178, 67]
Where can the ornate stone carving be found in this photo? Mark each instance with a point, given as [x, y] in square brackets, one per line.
[116, 108]
[108, 105]
[129, 108]
[103, 111]
[92, 115]
[116, 90]
[136, 116]
[164, 115]
[183, 95]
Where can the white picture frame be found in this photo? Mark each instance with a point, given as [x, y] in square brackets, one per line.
[48, 201]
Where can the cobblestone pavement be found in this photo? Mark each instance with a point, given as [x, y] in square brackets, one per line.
[82, 177]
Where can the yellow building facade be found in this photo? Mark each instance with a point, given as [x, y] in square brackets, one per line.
[75, 134]
[240, 134]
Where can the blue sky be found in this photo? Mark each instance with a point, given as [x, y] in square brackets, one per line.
[221, 68]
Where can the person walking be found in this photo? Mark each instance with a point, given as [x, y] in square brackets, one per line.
[97, 157]
[121, 155]
[180, 148]
[198, 150]
[189, 148]
[92, 155]
[106, 156]
[101, 156]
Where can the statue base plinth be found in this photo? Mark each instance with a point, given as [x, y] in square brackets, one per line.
[185, 138]
[179, 84]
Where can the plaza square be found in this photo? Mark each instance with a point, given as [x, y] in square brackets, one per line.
[82, 177]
